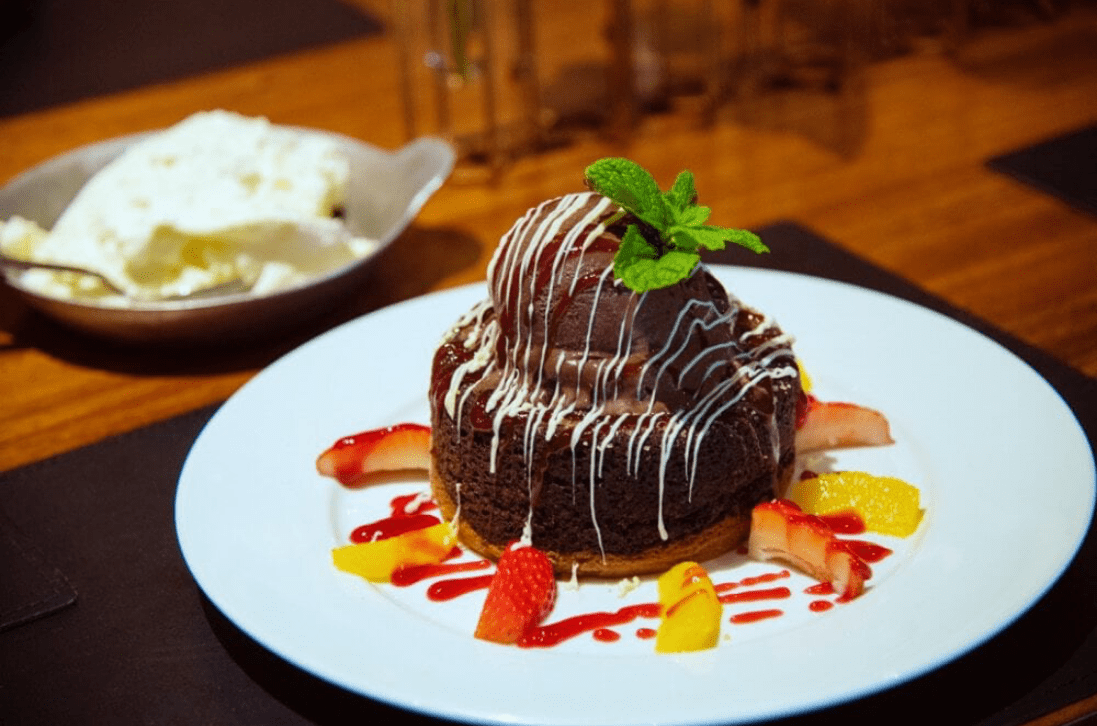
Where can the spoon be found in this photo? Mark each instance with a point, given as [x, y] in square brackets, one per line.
[224, 288]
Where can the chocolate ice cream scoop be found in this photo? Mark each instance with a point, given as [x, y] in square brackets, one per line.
[552, 280]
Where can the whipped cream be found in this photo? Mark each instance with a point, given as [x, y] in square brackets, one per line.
[214, 198]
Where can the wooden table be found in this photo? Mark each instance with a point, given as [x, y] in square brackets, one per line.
[894, 172]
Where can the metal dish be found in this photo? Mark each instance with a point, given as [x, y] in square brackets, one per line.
[387, 189]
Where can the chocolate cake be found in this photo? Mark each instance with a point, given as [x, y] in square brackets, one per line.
[620, 432]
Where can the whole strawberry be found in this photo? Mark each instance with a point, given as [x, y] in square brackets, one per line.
[520, 596]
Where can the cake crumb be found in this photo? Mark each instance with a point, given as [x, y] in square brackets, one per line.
[573, 583]
[627, 585]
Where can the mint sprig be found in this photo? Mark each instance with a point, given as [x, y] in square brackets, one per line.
[665, 246]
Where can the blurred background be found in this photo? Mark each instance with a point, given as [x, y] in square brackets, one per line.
[879, 125]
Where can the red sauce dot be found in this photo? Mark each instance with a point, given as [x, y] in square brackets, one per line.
[846, 522]
[761, 579]
[549, 635]
[819, 606]
[399, 505]
[823, 588]
[645, 633]
[773, 593]
[449, 589]
[391, 527]
[756, 615]
[605, 635]
[867, 551]
[411, 574]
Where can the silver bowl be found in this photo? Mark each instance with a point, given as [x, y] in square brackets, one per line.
[386, 191]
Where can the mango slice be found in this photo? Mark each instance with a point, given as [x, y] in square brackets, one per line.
[691, 614]
[376, 561]
[805, 379]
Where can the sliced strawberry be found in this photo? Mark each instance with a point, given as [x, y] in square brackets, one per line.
[835, 425]
[848, 572]
[521, 595]
[352, 459]
[780, 530]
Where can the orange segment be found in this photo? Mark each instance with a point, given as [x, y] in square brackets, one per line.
[886, 504]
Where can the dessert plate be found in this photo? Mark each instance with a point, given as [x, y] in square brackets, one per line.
[256, 525]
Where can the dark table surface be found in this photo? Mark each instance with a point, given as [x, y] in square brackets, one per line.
[141, 644]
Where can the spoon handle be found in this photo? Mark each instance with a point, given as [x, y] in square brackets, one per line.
[17, 264]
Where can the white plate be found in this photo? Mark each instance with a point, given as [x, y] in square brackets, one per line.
[976, 429]
[385, 192]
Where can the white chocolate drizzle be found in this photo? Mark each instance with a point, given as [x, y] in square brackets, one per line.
[512, 356]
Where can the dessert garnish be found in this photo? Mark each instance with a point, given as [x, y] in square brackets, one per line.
[410, 537]
[663, 243]
[521, 595]
[584, 425]
[354, 459]
[825, 425]
[413, 544]
[780, 530]
[691, 610]
[885, 504]
[419, 548]
[376, 560]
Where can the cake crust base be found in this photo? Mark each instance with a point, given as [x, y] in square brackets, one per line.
[713, 541]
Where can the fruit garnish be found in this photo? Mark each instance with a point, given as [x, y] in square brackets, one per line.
[665, 245]
[377, 560]
[805, 379]
[353, 459]
[691, 610]
[521, 594]
[886, 504]
[838, 425]
[780, 530]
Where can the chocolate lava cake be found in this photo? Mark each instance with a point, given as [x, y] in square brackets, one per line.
[619, 432]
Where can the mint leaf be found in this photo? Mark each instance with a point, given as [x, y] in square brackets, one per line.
[693, 216]
[642, 270]
[634, 248]
[698, 238]
[683, 194]
[630, 186]
[741, 237]
[673, 215]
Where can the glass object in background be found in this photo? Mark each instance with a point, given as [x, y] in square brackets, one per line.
[468, 72]
[794, 66]
[685, 37]
[589, 78]
[503, 78]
